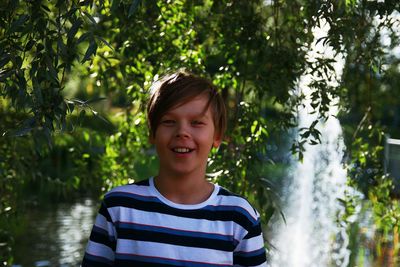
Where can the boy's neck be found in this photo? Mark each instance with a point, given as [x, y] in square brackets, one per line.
[188, 190]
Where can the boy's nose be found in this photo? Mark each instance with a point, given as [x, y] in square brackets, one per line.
[182, 131]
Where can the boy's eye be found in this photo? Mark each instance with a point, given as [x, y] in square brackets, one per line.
[168, 122]
[196, 122]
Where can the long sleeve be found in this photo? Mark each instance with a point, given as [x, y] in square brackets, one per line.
[100, 250]
[250, 251]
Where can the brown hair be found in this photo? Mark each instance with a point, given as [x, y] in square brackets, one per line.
[179, 88]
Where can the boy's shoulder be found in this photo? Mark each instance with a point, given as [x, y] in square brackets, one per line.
[225, 192]
[140, 187]
[229, 198]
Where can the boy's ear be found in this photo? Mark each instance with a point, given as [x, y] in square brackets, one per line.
[217, 141]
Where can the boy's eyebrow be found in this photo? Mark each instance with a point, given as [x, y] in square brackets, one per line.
[200, 114]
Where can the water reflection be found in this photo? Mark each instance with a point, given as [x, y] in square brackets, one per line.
[57, 234]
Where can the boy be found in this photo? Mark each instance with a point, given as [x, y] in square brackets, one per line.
[178, 218]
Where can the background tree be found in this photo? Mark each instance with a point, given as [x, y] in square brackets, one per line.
[74, 78]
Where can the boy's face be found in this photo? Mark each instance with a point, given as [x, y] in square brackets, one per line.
[184, 138]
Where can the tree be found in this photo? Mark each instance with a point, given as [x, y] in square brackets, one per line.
[254, 51]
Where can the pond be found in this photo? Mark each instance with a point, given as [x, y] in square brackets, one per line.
[56, 234]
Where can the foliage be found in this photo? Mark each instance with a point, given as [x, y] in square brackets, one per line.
[366, 34]
[74, 77]
[39, 47]
[127, 154]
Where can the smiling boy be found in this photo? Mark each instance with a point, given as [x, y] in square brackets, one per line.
[178, 218]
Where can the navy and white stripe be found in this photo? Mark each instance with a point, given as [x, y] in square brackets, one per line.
[137, 226]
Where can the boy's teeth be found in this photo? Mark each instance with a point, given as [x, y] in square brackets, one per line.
[181, 150]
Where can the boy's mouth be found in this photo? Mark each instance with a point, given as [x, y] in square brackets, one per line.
[182, 150]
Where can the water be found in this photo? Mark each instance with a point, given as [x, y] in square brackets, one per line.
[312, 236]
[55, 235]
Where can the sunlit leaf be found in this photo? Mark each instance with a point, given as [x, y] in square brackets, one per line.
[90, 17]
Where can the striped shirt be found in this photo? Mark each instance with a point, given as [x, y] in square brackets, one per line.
[137, 226]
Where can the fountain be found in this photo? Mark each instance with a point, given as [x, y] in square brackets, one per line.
[311, 236]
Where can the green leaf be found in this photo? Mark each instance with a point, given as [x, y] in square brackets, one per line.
[34, 67]
[39, 47]
[105, 42]
[38, 95]
[134, 6]
[90, 17]
[90, 51]
[22, 131]
[80, 102]
[18, 62]
[269, 212]
[114, 5]
[83, 37]
[350, 3]
[29, 45]
[74, 28]
[17, 23]
[254, 126]
[96, 114]
[85, 2]
[5, 58]
[61, 46]
[4, 74]
[70, 106]
[51, 68]
[21, 81]
[27, 126]
[82, 114]
[314, 123]
[63, 124]
[306, 134]
[70, 12]
[94, 100]
[45, 8]
[313, 142]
